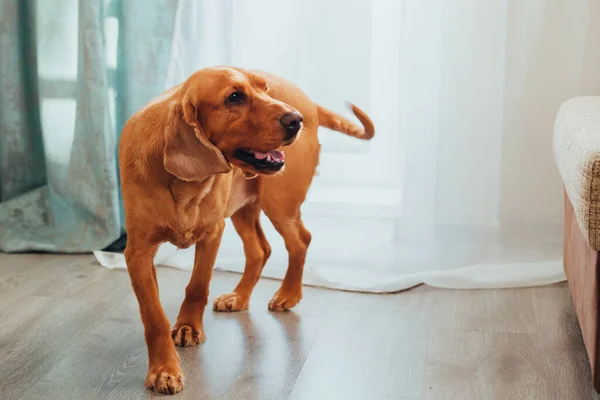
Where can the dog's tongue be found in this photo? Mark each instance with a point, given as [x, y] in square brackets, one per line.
[276, 155]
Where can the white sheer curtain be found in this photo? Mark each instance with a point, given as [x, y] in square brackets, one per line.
[458, 188]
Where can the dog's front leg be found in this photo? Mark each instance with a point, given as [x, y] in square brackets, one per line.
[188, 330]
[164, 374]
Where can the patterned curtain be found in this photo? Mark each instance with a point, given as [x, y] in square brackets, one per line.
[71, 74]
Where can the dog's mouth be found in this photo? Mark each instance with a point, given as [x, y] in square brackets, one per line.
[272, 160]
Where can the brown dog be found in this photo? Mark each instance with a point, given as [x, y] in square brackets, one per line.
[187, 161]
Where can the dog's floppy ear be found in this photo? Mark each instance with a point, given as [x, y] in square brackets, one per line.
[188, 154]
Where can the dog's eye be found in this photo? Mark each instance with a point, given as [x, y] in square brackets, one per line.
[235, 98]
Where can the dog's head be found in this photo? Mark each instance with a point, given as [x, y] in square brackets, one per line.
[224, 117]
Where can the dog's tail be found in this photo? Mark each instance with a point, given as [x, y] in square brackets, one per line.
[331, 120]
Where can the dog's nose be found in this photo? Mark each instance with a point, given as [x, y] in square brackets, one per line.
[292, 122]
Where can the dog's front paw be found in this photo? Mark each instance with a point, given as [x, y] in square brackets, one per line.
[165, 379]
[231, 302]
[283, 300]
[187, 335]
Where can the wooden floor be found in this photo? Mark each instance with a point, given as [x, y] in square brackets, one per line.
[70, 329]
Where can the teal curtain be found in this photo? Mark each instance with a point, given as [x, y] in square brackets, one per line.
[71, 73]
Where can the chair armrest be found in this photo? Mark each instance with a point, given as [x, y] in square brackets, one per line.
[577, 156]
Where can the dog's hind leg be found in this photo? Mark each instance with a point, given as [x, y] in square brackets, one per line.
[297, 239]
[256, 247]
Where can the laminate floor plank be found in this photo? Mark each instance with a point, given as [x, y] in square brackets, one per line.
[475, 365]
[506, 310]
[370, 347]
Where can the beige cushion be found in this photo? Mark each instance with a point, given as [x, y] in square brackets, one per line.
[577, 155]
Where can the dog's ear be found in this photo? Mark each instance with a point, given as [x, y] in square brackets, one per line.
[188, 154]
